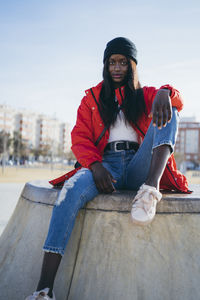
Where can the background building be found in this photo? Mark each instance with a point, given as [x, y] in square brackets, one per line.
[25, 124]
[188, 140]
[47, 134]
[36, 131]
[7, 119]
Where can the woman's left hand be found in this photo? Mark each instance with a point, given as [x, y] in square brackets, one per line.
[161, 112]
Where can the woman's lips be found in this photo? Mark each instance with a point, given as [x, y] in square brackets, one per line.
[116, 75]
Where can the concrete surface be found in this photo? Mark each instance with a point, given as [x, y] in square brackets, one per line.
[107, 258]
[9, 197]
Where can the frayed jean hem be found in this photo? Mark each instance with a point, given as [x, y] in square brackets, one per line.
[53, 250]
[164, 143]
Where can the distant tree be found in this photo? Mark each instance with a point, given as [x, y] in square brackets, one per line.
[5, 141]
[60, 152]
[36, 152]
[70, 155]
[45, 150]
[20, 148]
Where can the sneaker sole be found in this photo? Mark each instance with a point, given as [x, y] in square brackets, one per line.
[141, 223]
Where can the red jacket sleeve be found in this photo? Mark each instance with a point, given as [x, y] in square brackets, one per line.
[150, 93]
[82, 137]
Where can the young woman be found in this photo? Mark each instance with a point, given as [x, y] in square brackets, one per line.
[124, 138]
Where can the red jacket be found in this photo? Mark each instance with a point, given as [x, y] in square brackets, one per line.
[89, 126]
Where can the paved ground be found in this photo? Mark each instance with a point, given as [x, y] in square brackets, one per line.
[12, 181]
[9, 196]
[24, 174]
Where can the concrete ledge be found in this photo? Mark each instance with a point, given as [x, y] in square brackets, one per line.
[107, 256]
[171, 202]
[118, 201]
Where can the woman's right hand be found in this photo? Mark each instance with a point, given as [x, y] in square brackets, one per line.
[102, 178]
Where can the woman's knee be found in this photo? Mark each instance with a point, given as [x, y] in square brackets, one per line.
[76, 187]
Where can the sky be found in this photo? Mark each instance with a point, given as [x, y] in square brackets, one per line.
[52, 51]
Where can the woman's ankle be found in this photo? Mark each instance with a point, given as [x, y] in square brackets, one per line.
[43, 285]
[50, 293]
[152, 183]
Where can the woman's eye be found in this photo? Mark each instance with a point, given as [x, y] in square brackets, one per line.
[112, 63]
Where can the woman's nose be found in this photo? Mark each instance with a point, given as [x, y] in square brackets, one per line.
[117, 66]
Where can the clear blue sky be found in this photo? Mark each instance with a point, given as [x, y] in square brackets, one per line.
[51, 51]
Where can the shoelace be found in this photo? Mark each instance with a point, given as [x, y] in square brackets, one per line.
[146, 198]
[146, 205]
[41, 295]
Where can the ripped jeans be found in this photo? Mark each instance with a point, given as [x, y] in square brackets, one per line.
[130, 170]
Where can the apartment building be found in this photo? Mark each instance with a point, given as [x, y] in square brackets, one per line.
[188, 140]
[7, 119]
[25, 123]
[37, 130]
[65, 137]
[53, 133]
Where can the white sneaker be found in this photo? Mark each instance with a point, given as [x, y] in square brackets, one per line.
[144, 207]
[41, 295]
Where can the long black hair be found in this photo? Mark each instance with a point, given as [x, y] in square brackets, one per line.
[133, 104]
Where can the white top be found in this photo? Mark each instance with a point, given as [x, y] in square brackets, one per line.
[122, 131]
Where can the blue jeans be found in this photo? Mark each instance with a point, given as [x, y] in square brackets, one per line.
[129, 168]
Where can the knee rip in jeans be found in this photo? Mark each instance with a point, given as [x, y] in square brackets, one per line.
[69, 184]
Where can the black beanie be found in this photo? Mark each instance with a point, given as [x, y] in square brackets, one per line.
[120, 45]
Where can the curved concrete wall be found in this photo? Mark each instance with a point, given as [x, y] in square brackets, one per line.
[107, 256]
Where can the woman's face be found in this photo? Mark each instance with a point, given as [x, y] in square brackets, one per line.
[118, 68]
